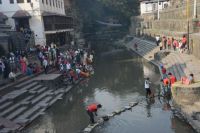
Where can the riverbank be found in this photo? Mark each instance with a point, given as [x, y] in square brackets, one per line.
[28, 98]
[178, 64]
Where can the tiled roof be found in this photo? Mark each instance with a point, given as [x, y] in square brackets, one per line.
[3, 16]
[21, 14]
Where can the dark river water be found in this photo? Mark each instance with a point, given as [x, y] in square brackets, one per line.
[118, 80]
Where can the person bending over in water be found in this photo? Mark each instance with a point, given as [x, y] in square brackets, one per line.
[92, 109]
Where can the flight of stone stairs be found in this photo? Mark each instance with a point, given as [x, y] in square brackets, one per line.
[174, 61]
[26, 102]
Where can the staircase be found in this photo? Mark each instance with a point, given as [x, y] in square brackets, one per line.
[25, 102]
[176, 63]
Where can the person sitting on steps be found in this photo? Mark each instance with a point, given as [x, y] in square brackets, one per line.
[187, 80]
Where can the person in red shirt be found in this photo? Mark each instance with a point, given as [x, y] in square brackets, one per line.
[92, 108]
[175, 44]
[172, 78]
[184, 42]
[169, 43]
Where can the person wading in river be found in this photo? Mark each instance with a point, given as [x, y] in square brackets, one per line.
[92, 109]
[147, 87]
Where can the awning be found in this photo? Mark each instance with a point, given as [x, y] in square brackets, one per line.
[51, 14]
[58, 31]
[21, 14]
[3, 16]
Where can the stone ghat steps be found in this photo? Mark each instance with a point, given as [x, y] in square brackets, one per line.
[176, 64]
[37, 100]
[22, 80]
[173, 62]
[144, 47]
[17, 93]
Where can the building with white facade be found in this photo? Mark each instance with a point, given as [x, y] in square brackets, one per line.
[46, 18]
[149, 6]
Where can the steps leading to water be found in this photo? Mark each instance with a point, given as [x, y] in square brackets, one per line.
[27, 101]
[172, 62]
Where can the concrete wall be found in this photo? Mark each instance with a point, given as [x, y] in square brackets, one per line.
[186, 94]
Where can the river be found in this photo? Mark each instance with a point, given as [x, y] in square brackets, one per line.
[118, 80]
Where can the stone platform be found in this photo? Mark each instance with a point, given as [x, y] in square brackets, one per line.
[28, 100]
[50, 80]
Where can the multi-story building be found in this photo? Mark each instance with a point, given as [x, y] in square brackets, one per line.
[149, 6]
[46, 18]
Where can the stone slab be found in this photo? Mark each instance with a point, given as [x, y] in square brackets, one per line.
[3, 106]
[47, 77]
[16, 113]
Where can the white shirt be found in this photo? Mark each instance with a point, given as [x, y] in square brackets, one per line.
[68, 66]
[45, 62]
[147, 84]
[157, 38]
[12, 75]
[78, 70]
[91, 57]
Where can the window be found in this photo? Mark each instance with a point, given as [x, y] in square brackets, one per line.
[20, 1]
[43, 1]
[28, 1]
[11, 1]
[56, 3]
[47, 2]
[0, 2]
[53, 3]
[50, 2]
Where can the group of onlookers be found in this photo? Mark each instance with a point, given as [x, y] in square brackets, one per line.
[72, 63]
[172, 43]
[16, 62]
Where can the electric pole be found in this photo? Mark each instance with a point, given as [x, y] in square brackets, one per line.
[158, 15]
[188, 23]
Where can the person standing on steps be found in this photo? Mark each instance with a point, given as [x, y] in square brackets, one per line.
[45, 65]
[91, 110]
[164, 43]
[157, 40]
[147, 87]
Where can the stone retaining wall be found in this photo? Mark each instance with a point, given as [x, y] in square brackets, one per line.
[186, 94]
[195, 45]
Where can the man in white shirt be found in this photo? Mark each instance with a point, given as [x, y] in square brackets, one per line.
[147, 87]
[157, 40]
[45, 65]
[12, 76]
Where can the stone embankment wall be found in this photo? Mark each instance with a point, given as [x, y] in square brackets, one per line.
[186, 94]
[187, 101]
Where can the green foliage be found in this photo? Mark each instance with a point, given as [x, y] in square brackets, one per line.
[104, 10]
[127, 8]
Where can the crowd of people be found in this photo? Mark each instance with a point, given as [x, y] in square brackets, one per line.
[72, 63]
[15, 62]
[172, 43]
[167, 80]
